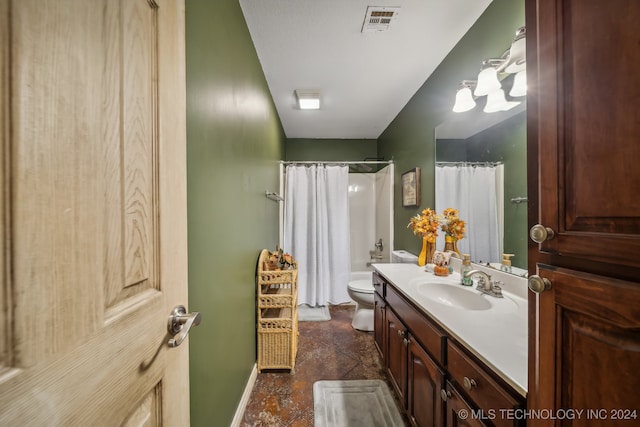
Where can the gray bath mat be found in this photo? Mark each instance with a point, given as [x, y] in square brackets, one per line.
[358, 403]
[307, 313]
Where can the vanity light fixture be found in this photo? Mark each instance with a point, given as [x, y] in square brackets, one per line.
[308, 99]
[488, 78]
[517, 52]
[497, 102]
[464, 97]
[512, 61]
[519, 87]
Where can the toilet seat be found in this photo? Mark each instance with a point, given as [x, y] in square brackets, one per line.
[363, 286]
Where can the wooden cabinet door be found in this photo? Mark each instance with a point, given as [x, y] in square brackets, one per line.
[424, 384]
[92, 212]
[458, 412]
[396, 352]
[379, 335]
[584, 104]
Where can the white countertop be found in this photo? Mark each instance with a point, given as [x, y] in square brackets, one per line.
[497, 335]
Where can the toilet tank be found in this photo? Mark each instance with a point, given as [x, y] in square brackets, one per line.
[402, 256]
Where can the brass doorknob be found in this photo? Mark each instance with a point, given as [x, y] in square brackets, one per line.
[538, 284]
[539, 233]
[469, 383]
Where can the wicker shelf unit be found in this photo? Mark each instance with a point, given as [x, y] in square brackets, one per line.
[277, 305]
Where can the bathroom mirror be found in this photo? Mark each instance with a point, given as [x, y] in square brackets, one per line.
[472, 140]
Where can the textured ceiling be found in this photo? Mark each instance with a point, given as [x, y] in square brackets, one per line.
[365, 78]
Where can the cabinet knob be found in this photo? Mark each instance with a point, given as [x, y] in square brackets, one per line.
[445, 394]
[400, 333]
[469, 383]
[539, 233]
[538, 284]
[406, 342]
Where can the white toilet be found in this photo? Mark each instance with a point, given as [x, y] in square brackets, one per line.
[360, 289]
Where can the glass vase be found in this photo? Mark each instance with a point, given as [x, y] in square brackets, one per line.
[451, 244]
[426, 254]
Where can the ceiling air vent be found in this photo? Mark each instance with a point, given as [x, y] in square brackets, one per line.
[379, 18]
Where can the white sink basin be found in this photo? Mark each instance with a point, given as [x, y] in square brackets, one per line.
[452, 296]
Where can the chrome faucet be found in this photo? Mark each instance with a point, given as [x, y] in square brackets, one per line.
[485, 285]
[376, 254]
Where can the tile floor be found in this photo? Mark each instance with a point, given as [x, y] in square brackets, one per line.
[330, 350]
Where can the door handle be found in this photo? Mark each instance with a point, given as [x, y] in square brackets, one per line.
[538, 284]
[180, 323]
[539, 233]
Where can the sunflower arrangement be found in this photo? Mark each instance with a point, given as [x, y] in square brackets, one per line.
[452, 225]
[425, 224]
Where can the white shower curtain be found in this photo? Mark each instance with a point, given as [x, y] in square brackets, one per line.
[316, 231]
[477, 192]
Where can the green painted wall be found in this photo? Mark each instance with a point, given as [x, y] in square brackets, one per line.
[234, 143]
[330, 149]
[409, 139]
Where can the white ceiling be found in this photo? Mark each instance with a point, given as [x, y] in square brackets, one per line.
[365, 78]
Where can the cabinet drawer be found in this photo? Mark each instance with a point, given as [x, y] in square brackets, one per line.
[483, 390]
[379, 284]
[429, 335]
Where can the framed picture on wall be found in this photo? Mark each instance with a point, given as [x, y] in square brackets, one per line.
[411, 187]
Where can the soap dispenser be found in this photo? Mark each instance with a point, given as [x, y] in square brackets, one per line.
[466, 267]
[506, 263]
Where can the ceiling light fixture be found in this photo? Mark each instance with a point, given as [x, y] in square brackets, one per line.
[464, 97]
[308, 99]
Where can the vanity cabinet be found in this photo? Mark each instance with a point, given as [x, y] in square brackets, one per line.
[379, 318]
[396, 354]
[479, 385]
[425, 380]
[429, 370]
[583, 127]
[458, 410]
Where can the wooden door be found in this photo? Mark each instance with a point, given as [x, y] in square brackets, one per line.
[396, 353]
[584, 180]
[93, 212]
[424, 385]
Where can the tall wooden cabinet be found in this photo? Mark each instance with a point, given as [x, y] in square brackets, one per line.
[583, 66]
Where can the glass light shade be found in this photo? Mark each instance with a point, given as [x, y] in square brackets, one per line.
[519, 84]
[464, 101]
[497, 102]
[517, 56]
[487, 82]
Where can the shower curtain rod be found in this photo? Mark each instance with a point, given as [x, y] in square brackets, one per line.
[347, 162]
[468, 163]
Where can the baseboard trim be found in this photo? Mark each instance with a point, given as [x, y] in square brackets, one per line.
[237, 419]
